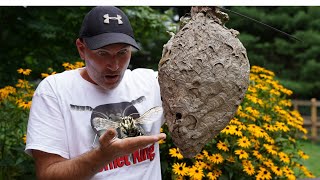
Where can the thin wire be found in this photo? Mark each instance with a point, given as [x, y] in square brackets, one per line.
[254, 20]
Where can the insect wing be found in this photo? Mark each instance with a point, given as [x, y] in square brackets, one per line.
[99, 123]
[150, 116]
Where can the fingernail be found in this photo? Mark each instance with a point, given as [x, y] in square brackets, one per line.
[111, 133]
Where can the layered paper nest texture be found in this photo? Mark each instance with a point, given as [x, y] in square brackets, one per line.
[203, 77]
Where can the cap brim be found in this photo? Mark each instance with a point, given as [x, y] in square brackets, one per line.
[101, 40]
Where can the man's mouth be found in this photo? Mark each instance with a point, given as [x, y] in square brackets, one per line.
[111, 78]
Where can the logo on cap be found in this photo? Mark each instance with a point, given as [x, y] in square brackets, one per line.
[107, 18]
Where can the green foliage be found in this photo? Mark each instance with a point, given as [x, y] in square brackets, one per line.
[15, 104]
[150, 28]
[311, 71]
[42, 37]
[277, 52]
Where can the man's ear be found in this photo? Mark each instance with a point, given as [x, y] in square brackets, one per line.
[81, 48]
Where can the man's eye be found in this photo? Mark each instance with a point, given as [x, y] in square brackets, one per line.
[102, 53]
[123, 52]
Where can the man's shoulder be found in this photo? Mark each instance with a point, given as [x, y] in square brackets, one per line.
[142, 70]
[61, 79]
[64, 76]
[143, 73]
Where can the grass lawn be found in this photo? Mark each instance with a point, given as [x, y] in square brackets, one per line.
[313, 163]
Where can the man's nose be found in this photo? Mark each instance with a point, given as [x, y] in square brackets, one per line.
[113, 63]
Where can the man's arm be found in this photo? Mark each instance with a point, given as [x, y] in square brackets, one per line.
[51, 166]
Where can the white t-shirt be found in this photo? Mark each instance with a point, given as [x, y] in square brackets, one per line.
[64, 104]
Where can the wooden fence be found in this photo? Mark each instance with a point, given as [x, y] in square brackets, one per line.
[312, 120]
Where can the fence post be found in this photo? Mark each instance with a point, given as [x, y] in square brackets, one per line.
[313, 119]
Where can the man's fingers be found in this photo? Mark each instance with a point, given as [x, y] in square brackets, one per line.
[142, 141]
[108, 136]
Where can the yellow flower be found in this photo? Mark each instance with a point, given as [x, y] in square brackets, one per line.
[270, 149]
[199, 156]
[268, 162]
[214, 174]
[196, 172]
[65, 64]
[242, 154]
[216, 158]
[24, 138]
[282, 126]
[180, 169]
[244, 142]
[303, 155]
[44, 75]
[263, 173]
[248, 167]
[269, 127]
[6, 91]
[174, 152]
[24, 71]
[277, 170]
[20, 71]
[25, 105]
[202, 165]
[257, 155]
[266, 118]
[230, 129]
[222, 146]
[68, 66]
[284, 157]
[211, 176]
[162, 141]
[253, 112]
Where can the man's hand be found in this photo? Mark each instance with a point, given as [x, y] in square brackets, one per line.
[52, 166]
[110, 144]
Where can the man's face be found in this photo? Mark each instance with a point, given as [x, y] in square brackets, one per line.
[107, 65]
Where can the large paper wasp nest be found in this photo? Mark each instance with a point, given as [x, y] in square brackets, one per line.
[203, 77]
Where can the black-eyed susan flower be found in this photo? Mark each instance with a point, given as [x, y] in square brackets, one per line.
[268, 162]
[230, 129]
[276, 170]
[24, 71]
[263, 173]
[242, 154]
[25, 105]
[284, 157]
[257, 155]
[174, 152]
[282, 126]
[270, 149]
[303, 155]
[244, 142]
[216, 158]
[196, 172]
[222, 146]
[180, 169]
[215, 174]
[248, 167]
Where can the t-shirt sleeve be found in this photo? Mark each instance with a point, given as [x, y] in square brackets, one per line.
[46, 128]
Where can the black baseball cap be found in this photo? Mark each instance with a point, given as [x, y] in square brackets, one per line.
[105, 25]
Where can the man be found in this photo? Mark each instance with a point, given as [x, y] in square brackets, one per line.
[65, 106]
